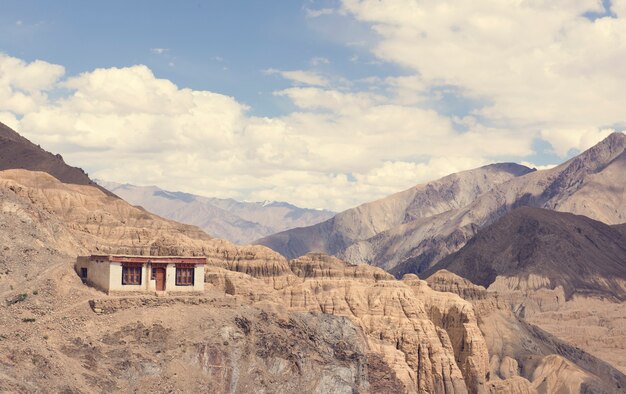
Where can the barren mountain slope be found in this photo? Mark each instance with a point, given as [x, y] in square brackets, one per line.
[224, 343]
[313, 324]
[418, 245]
[51, 341]
[239, 222]
[16, 152]
[582, 255]
[265, 324]
[365, 221]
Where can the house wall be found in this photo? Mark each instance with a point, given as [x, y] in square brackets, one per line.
[170, 278]
[97, 272]
[151, 283]
[115, 279]
[198, 279]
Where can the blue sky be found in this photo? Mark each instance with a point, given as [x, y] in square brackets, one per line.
[325, 104]
[221, 46]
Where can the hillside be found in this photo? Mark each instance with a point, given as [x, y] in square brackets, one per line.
[584, 256]
[16, 152]
[239, 222]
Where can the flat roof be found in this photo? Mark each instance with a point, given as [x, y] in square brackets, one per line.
[117, 258]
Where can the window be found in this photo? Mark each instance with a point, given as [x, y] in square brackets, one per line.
[83, 273]
[184, 275]
[131, 275]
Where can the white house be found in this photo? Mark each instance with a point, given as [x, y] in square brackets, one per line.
[122, 273]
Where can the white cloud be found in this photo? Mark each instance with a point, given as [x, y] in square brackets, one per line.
[299, 76]
[23, 85]
[563, 140]
[318, 60]
[341, 146]
[314, 13]
[159, 51]
[338, 150]
[535, 65]
[537, 166]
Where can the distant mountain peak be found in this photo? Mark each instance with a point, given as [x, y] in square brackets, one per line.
[237, 221]
[267, 202]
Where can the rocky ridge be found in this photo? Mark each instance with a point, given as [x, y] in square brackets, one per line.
[335, 236]
[16, 152]
[406, 320]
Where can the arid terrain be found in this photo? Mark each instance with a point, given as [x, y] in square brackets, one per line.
[270, 324]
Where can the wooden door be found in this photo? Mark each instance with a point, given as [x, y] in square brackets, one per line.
[160, 279]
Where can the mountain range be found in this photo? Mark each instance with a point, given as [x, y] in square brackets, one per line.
[239, 222]
[411, 231]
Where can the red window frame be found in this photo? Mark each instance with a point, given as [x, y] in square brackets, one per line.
[185, 275]
[131, 274]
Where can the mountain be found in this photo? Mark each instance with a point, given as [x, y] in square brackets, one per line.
[265, 324]
[17, 152]
[347, 228]
[392, 234]
[584, 256]
[239, 222]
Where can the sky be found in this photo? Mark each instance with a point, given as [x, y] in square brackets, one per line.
[324, 104]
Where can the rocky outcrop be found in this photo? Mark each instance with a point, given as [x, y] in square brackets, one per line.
[446, 281]
[523, 357]
[430, 340]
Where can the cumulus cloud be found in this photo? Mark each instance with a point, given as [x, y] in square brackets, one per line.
[563, 140]
[353, 141]
[338, 150]
[23, 86]
[540, 67]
